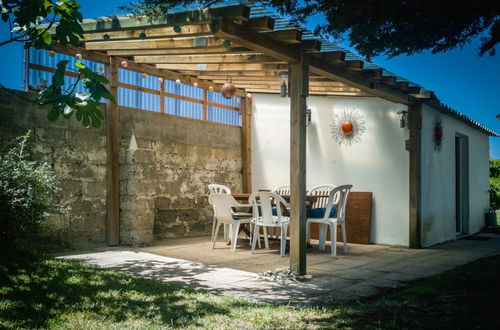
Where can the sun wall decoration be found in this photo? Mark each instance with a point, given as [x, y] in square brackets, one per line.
[347, 126]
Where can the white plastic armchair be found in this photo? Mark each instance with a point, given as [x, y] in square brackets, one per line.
[338, 196]
[218, 189]
[223, 204]
[262, 205]
[282, 190]
[322, 190]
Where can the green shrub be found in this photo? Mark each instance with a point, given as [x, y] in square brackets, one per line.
[495, 192]
[26, 191]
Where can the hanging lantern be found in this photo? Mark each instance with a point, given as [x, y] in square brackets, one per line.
[237, 100]
[124, 64]
[249, 95]
[228, 89]
[178, 81]
[283, 78]
[52, 53]
[160, 80]
[211, 88]
[144, 75]
[100, 68]
[196, 85]
[78, 56]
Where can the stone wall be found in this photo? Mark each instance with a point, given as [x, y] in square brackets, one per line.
[78, 157]
[169, 181]
[189, 154]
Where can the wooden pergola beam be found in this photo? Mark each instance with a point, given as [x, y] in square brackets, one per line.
[237, 12]
[191, 30]
[249, 77]
[292, 36]
[205, 59]
[218, 50]
[265, 23]
[169, 43]
[256, 41]
[224, 67]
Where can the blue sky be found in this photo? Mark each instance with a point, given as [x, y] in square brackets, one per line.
[460, 78]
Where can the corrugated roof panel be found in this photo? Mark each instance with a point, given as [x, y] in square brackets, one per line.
[183, 108]
[139, 100]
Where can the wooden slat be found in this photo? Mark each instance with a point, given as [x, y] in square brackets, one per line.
[261, 23]
[182, 51]
[237, 12]
[51, 70]
[205, 59]
[354, 64]
[248, 76]
[88, 55]
[389, 80]
[403, 85]
[246, 143]
[276, 82]
[156, 43]
[162, 98]
[373, 73]
[310, 45]
[223, 67]
[292, 36]
[298, 74]
[357, 221]
[170, 75]
[113, 159]
[205, 107]
[191, 30]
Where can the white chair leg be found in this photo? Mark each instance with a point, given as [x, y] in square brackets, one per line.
[283, 240]
[217, 228]
[278, 233]
[255, 236]
[226, 232]
[234, 235]
[344, 237]
[333, 236]
[266, 240]
[214, 222]
[322, 236]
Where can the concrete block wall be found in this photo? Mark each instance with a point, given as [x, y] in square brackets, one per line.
[78, 157]
[169, 180]
[189, 155]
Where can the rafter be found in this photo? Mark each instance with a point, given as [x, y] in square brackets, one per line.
[182, 51]
[158, 43]
[201, 59]
[224, 67]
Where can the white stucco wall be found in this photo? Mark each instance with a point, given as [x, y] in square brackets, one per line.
[379, 163]
[438, 178]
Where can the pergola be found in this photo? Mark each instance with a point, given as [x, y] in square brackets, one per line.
[208, 45]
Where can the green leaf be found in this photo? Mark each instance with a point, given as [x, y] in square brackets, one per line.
[80, 65]
[47, 38]
[53, 115]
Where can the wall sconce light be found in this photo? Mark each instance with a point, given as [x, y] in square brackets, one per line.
[308, 117]
[403, 118]
[283, 78]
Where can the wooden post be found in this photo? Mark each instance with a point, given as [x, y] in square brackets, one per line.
[246, 142]
[162, 96]
[415, 125]
[205, 105]
[113, 166]
[298, 76]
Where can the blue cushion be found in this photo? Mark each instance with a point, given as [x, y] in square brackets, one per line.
[320, 212]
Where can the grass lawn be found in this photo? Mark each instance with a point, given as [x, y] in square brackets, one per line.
[37, 291]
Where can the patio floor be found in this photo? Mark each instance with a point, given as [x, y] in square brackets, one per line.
[363, 272]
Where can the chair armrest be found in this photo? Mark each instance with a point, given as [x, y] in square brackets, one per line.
[243, 205]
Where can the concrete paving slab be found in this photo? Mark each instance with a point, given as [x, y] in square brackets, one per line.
[365, 271]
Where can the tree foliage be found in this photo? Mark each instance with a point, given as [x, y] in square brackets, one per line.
[495, 183]
[390, 27]
[30, 22]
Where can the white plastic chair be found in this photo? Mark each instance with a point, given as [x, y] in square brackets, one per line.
[223, 204]
[338, 196]
[262, 203]
[321, 190]
[281, 190]
[218, 189]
